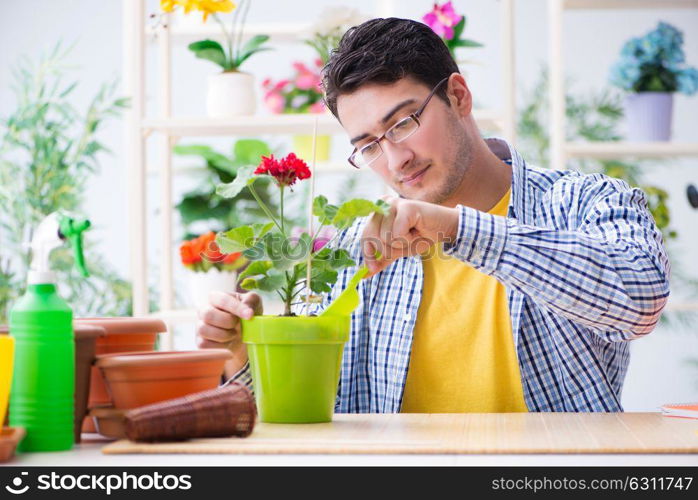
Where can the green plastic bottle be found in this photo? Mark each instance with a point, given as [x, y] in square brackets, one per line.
[43, 384]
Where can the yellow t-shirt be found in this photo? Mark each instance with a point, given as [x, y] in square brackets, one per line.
[463, 357]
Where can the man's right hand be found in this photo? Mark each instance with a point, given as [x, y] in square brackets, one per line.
[219, 325]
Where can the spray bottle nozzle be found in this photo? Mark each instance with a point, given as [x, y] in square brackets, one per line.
[71, 228]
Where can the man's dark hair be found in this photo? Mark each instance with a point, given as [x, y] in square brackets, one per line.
[384, 51]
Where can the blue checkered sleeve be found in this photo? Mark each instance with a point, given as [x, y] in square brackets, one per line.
[602, 264]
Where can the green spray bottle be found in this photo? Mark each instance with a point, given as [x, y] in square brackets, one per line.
[43, 385]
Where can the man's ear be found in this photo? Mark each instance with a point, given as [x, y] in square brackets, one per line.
[459, 95]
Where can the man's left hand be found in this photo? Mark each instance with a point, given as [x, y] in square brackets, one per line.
[410, 229]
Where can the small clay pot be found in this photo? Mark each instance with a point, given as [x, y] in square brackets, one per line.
[9, 439]
[139, 379]
[124, 334]
[86, 337]
[110, 422]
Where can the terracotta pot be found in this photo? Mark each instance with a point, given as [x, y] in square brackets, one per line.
[124, 334]
[139, 379]
[9, 439]
[110, 422]
[86, 337]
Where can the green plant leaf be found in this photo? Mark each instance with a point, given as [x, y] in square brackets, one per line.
[339, 259]
[250, 151]
[467, 43]
[458, 29]
[211, 51]
[255, 268]
[242, 238]
[252, 46]
[245, 177]
[323, 210]
[322, 279]
[268, 283]
[349, 211]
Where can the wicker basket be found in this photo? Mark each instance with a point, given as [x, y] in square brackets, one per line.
[221, 412]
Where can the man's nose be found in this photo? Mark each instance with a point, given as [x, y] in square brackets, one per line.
[398, 156]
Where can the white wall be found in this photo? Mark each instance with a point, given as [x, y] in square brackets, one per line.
[658, 372]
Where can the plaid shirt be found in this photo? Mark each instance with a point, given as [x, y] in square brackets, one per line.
[585, 271]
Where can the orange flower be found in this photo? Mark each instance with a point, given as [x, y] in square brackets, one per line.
[188, 256]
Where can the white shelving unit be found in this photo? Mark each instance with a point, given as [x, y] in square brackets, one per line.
[560, 149]
[168, 129]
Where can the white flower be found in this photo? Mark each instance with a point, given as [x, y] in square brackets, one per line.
[334, 19]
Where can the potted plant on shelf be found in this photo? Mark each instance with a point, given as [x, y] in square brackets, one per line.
[295, 360]
[651, 68]
[329, 28]
[231, 92]
[211, 270]
[300, 94]
[201, 209]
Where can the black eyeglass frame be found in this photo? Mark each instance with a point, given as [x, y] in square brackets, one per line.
[413, 116]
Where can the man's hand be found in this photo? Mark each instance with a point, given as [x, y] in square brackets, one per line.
[410, 229]
[219, 325]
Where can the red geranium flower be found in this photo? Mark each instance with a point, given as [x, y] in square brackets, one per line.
[285, 171]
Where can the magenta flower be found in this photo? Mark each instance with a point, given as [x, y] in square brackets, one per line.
[442, 19]
[325, 235]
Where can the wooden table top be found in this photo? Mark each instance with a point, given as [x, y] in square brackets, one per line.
[470, 433]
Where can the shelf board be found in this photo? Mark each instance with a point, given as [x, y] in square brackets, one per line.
[630, 4]
[609, 150]
[278, 32]
[275, 124]
[330, 167]
[245, 125]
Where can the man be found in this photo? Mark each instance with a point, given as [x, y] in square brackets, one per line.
[502, 287]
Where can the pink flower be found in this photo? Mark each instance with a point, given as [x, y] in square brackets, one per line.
[306, 79]
[322, 238]
[318, 107]
[274, 101]
[442, 19]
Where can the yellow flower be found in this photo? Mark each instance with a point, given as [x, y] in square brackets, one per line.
[168, 5]
[213, 6]
[207, 7]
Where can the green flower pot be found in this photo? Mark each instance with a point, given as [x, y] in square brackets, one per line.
[295, 364]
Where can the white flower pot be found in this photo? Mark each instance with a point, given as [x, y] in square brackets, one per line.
[230, 94]
[648, 115]
[202, 284]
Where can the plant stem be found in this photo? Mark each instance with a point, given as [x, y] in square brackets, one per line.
[264, 207]
[244, 4]
[288, 291]
[281, 208]
[229, 41]
[312, 238]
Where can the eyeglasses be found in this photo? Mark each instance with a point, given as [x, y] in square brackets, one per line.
[397, 133]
